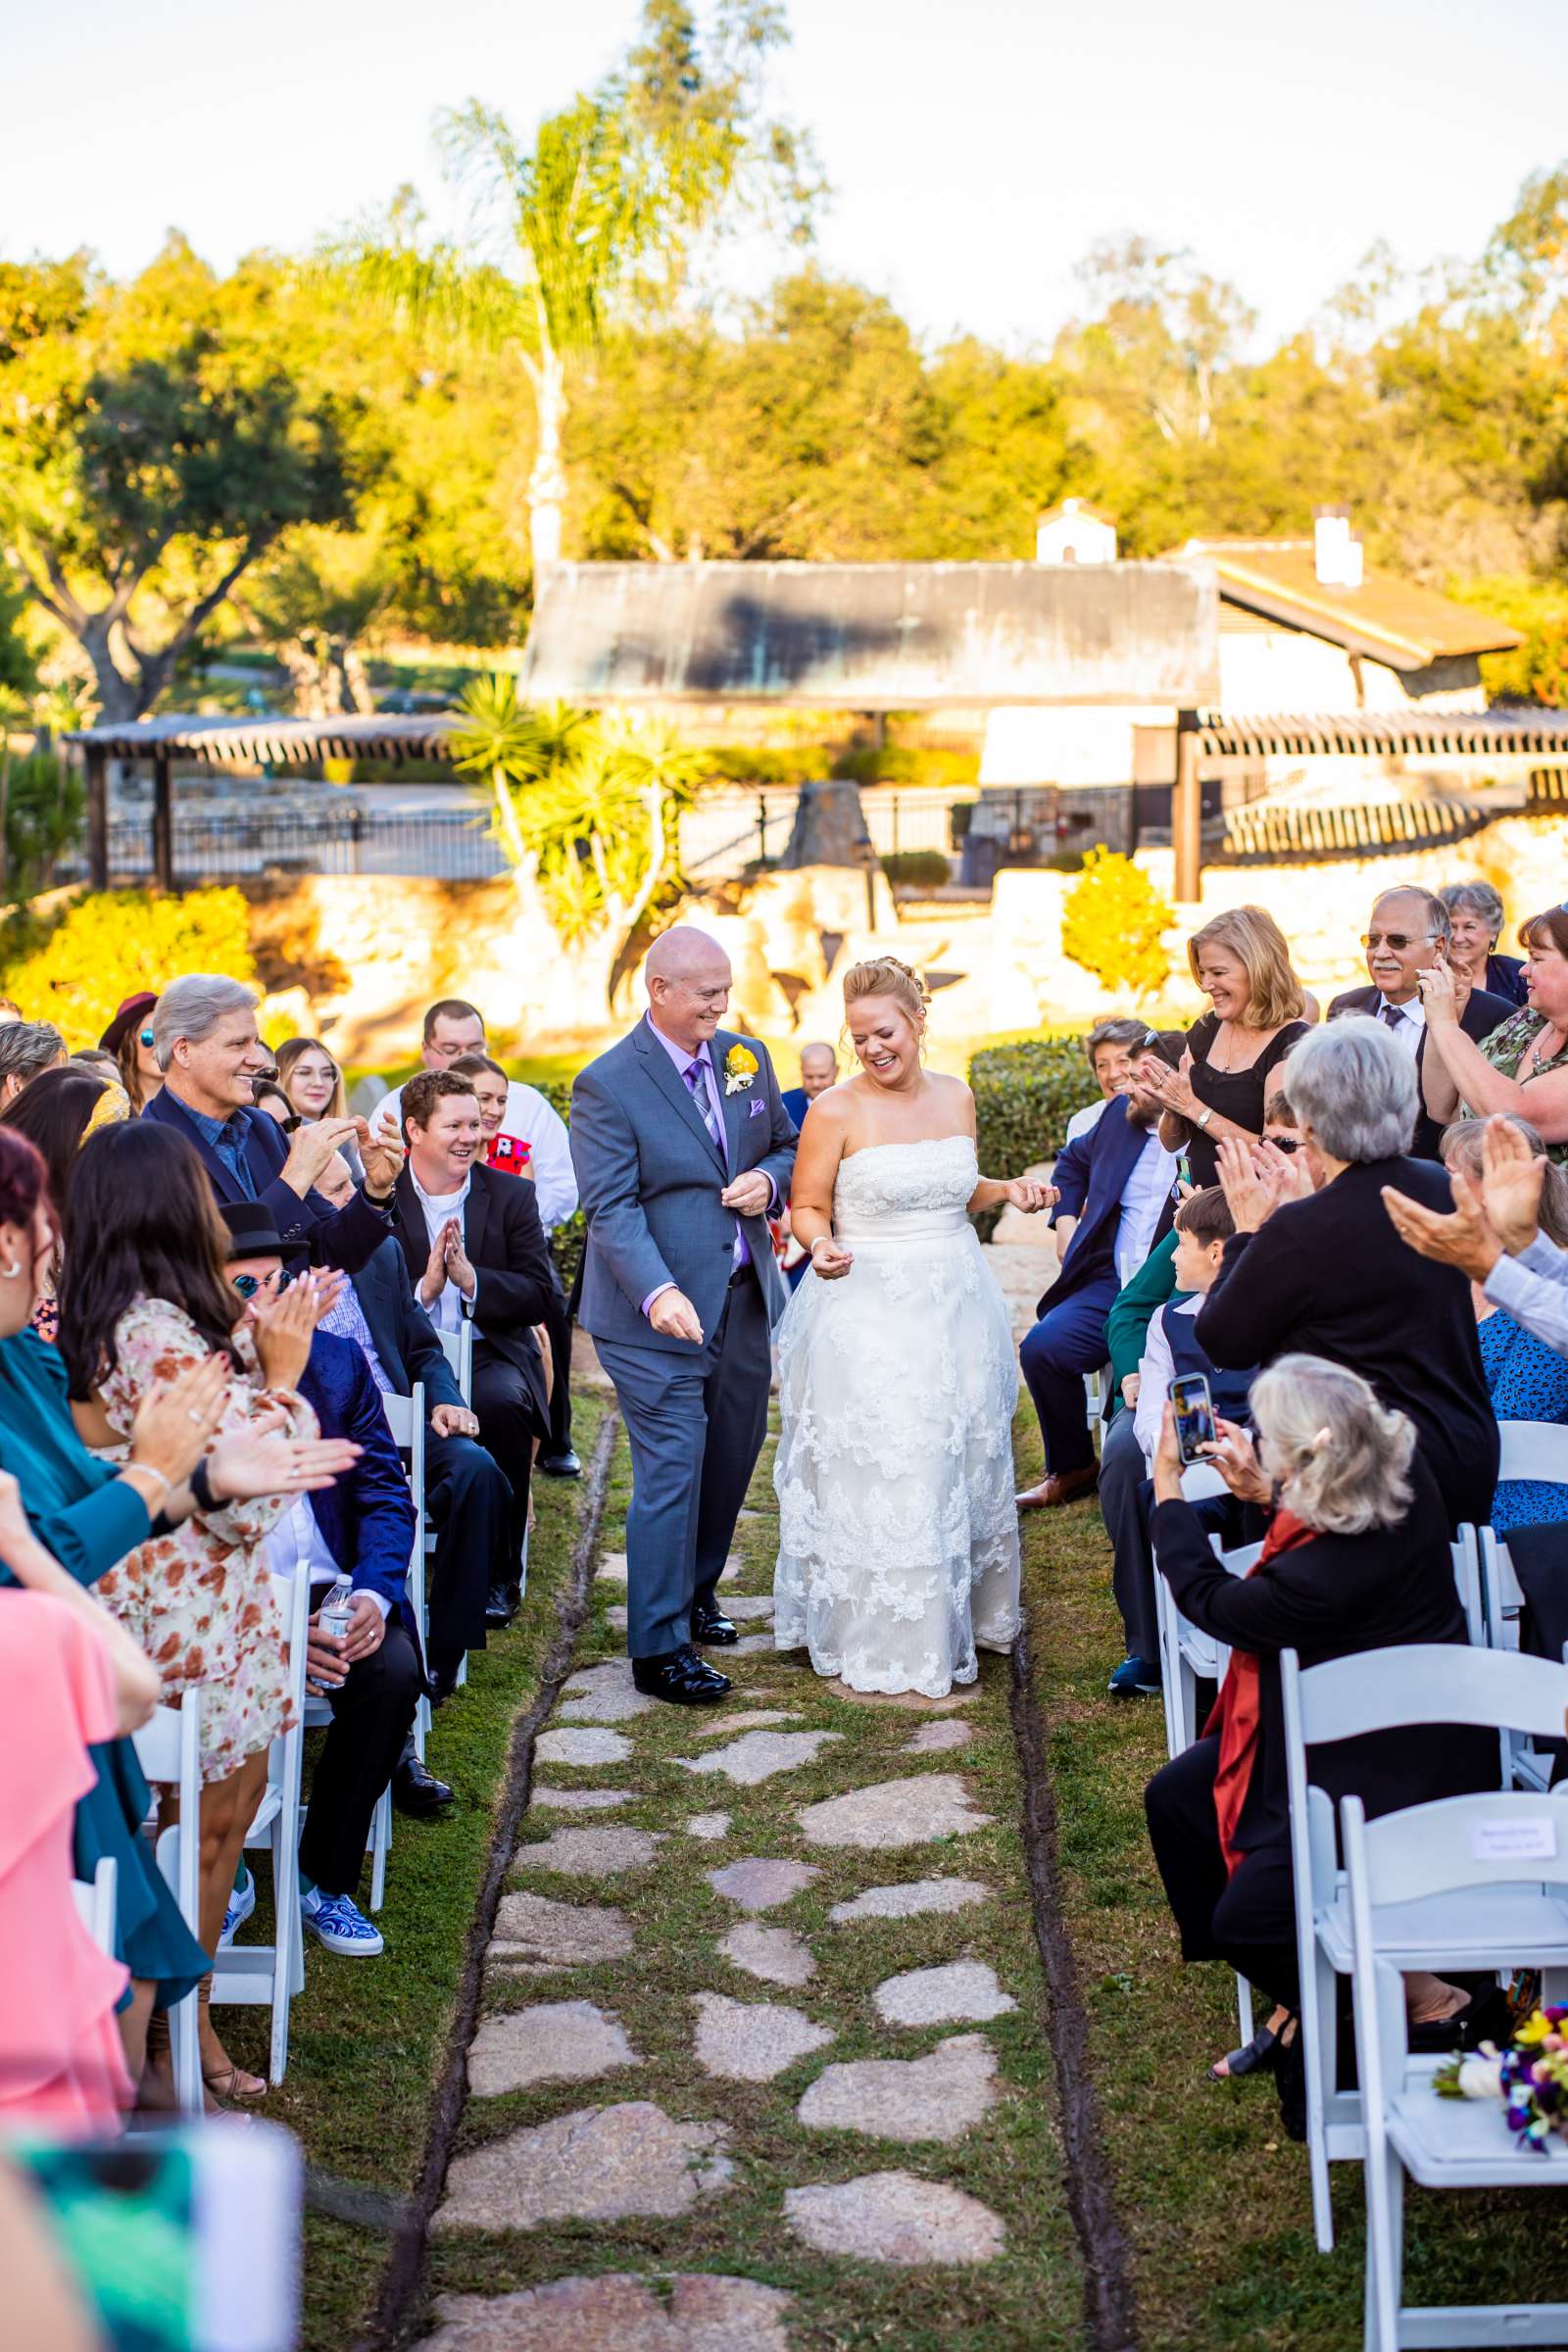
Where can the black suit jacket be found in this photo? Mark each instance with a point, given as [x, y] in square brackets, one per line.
[504, 1244]
[1481, 1015]
[333, 1237]
[1328, 1598]
[1329, 1276]
[405, 1339]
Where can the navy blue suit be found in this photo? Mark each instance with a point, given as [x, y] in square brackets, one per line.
[466, 1492]
[331, 1236]
[367, 1524]
[1069, 1339]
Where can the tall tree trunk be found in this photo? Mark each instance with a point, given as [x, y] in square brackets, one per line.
[547, 483]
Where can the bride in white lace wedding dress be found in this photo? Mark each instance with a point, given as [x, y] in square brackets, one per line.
[897, 1378]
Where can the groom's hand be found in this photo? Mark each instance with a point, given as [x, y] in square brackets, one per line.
[750, 1194]
[675, 1316]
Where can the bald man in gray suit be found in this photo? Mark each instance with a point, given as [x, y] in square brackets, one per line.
[682, 1147]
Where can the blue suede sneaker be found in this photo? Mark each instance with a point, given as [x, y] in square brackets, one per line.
[242, 1903]
[337, 1920]
[1134, 1678]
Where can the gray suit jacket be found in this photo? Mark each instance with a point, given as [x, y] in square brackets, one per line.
[649, 1175]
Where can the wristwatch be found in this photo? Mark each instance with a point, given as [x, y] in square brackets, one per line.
[1203, 1118]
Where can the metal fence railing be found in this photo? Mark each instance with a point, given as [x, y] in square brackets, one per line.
[442, 845]
[724, 832]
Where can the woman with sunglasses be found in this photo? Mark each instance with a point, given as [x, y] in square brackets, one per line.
[314, 1085]
[129, 1039]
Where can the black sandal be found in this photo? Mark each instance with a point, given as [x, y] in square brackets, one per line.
[1259, 2056]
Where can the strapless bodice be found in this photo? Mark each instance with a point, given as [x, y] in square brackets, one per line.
[904, 1193]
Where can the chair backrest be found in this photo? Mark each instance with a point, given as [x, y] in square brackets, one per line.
[95, 1902]
[1468, 1582]
[1200, 1481]
[169, 1745]
[1502, 1600]
[1498, 1839]
[1534, 1449]
[1438, 1682]
[458, 1346]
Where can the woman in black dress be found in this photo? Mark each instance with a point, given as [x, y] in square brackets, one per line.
[1243, 965]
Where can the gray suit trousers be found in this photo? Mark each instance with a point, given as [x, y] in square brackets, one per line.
[696, 1425]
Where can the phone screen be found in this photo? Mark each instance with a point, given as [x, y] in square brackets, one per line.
[1195, 1415]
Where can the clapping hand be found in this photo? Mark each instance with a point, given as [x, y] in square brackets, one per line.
[381, 1156]
[1511, 1178]
[1172, 1087]
[433, 1281]
[311, 1147]
[284, 1324]
[1254, 1185]
[459, 1267]
[1443, 993]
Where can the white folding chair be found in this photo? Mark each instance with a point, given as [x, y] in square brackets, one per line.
[1466, 1550]
[458, 1346]
[1503, 1607]
[254, 1975]
[1537, 1451]
[406, 1418]
[1464, 1857]
[169, 1749]
[95, 1902]
[1387, 1690]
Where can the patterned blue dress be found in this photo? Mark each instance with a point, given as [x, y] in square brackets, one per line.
[1527, 1381]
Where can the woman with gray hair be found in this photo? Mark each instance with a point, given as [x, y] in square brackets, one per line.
[1355, 1558]
[26, 1050]
[1321, 1273]
[1475, 925]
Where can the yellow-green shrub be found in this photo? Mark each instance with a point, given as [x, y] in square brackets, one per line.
[107, 946]
[1112, 921]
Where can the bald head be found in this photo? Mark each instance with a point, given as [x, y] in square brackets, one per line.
[688, 979]
[819, 1068]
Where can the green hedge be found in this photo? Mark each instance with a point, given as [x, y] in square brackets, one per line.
[1024, 1095]
[565, 1242]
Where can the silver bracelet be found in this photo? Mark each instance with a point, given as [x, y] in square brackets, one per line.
[146, 1470]
[822, 1237]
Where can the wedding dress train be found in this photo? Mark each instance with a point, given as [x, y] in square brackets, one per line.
[898, 1532]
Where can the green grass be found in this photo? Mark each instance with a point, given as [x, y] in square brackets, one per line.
[368, 2038]
[1031, 2295]
[1212, 2196]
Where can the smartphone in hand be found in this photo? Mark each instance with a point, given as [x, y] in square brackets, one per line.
[1195, 1417]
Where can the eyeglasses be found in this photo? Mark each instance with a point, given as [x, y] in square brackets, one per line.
[1397, 940]
[247, 1285]
[144, 1037]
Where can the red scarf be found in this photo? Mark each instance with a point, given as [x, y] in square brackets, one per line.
[1235, 1712]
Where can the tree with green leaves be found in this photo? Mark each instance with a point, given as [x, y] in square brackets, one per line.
[156, 440]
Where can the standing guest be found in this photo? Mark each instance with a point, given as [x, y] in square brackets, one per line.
[1408, 936]
[211, 1056]
[819, 1069]
[56, 1113]
[476, 1250]
[1475, 926]
[453, 1029]
[145, 1297]
[26, 1048]
[314, 1085]
[129, 1039]
[361, 1527]
[1112, 1048]
[1243, 965]
[1522, 1063]
[1114, 1199]
[1316, 1274]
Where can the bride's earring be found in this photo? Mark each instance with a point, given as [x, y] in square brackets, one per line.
[10, 1273]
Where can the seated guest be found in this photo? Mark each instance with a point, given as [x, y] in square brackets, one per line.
[1316, 1274]
[466, 1495]
[271, 1098]
[1408, 936]
[313, 1085]
[1279, 1122]
[129, 1039]
[1493, 1232]
[210, 1054]
[56, 1113]
[26, 1048]
[1521, 1063]
[1243, 965]
[476, 1250]
[361, 1527]
[1113, 1189]
[1112, 1048]
[1357, 1557]
[1475, 926]
[819, 1069]
[100, 1064]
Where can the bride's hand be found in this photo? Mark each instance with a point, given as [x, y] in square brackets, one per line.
[830, 1258]
[1029, 1195]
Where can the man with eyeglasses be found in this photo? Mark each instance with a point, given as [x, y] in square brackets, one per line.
[1408, 933]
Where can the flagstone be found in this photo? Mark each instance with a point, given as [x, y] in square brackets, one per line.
[752, 2042]
[910, 1900]
[935, 1737]
[755, 1719]
[775, 1954]
[533, 1928]
[914, 1701]
[598, 2164]
[583, 1747]
[893, 2216]
[892, 1813]
[759, 1883]
[617, 2312]
[613, 1567]
[553, 2041]
[711, 1826]
[757, 1755]
[591, 1853]
[940, 2096]
[604, 1694]
[962, 1990]
[582, 1800]
[741, 1606]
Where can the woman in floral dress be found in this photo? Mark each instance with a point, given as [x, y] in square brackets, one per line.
[145, 1297]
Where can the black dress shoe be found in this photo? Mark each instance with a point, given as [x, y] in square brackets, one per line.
[416, 1791]
[681, 1677]
[443, 1681]
[559, 1465]
[714, 1627]
[501, 1604]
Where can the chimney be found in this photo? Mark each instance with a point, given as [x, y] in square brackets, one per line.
[1338, 559]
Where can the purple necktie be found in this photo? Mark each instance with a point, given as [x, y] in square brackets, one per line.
[705, 1103]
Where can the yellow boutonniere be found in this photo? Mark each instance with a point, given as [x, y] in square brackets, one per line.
[740, 1068]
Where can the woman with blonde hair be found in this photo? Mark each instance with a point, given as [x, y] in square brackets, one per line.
[1240, 961]
[898, 1537]
[311, 1083]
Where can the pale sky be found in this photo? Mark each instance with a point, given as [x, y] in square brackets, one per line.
[976, 147]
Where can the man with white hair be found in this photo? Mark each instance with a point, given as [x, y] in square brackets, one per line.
[682, 1146]
[1408, 933]
[205, 1038]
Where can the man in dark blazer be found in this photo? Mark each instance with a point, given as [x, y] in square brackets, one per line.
[474, 1251]
[363, 1528]
[1114, 1183]
[1406, 934]
[204, 1032]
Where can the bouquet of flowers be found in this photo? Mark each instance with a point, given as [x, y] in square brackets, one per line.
[1530, 2076]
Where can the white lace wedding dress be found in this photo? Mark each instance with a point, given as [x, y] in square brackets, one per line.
[898, 1532]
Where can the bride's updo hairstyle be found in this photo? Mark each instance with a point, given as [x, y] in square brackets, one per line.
[886, 976]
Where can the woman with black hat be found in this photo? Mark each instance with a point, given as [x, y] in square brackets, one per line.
[129, 1039]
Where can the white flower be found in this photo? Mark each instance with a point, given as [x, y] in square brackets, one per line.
[1481, 2077]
